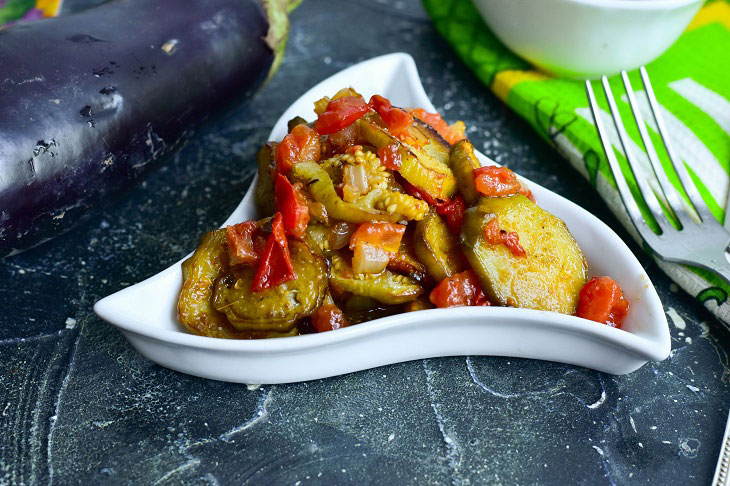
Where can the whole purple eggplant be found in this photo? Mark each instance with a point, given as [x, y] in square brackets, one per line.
[91, 100]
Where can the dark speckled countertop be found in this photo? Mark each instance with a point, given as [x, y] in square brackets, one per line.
[79, 406]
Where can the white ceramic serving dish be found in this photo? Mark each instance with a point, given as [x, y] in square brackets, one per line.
[588, 38]
[146, 312]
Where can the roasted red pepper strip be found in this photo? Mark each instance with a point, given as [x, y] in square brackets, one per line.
[328, 318]
[340, 113]
[383, 235]
[390, 156]
[494, 181]
[453, 213]
[293, 207]
[462, 289]
[241, 248]
[395, 119]
[437, 123]
[497, 236]
[602, 300]
[275, 267]
[302, 144]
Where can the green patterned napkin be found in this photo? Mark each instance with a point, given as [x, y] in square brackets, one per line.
[12, 11]
[691, 82]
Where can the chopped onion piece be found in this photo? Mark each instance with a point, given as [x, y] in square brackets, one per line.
[356, 177]
[369, 259]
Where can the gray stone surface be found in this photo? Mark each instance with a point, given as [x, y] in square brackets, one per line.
[79, 406]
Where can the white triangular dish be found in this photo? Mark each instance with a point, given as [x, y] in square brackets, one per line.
[146, 312]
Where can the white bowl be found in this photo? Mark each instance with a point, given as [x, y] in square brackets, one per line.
[588, 38]
[146, 312]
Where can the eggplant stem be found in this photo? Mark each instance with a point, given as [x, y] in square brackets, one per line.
[278, 33]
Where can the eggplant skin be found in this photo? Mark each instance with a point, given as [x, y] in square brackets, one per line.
[92, 100]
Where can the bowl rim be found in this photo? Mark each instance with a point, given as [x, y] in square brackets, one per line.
[640, 346]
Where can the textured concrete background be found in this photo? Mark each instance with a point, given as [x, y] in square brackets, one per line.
[79, 406]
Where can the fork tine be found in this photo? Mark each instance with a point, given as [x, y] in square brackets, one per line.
[670, 193]
[646, 191]
[699, 204]
[623, 188]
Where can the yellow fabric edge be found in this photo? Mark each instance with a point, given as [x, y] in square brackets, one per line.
[504, 81]
[711, 13]
[50, 8]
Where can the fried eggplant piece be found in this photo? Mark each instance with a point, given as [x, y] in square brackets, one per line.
[424, 161]
[297, 120]
[550, 275]
[264, 191]
[437, 248]
[359, 309]
[194, 308]
[405, 262]
[463, 161]
[279, 307]
[386, 287]
[317, 238]
[421, 303]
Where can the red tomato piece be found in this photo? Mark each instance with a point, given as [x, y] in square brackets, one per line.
[241, 248]
[383, 235]
[328, 318]
[352, 149]
[512, 241]
[275, 267]
[293, 207]
[395, 119]
[492, 233]
[453, 213]
[494, 181]
[390, 156]
[287, 154]
[340, 113]
[462, 289]
[602, 300]
[437, 123]
[497, 236]
[302, 144]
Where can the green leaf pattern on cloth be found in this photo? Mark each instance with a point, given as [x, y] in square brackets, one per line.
[12, 11]
[691, 82]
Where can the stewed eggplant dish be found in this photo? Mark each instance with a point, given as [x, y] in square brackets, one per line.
[372, 210]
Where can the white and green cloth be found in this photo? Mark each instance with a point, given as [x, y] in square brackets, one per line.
[691, 82]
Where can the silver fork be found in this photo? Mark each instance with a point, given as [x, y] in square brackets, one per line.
[700, 240]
